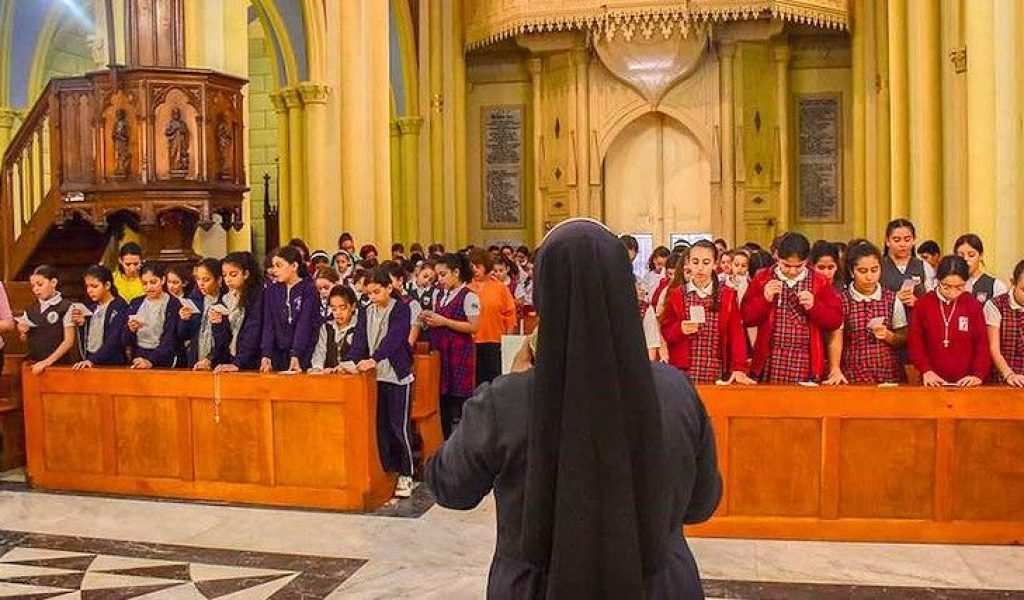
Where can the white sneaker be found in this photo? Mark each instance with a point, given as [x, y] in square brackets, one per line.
[404, 487]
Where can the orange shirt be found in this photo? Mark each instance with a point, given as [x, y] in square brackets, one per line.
[497, 310]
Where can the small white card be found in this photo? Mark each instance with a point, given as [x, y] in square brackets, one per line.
[290, 372]
[24, 320]
[348, 367]
[137, 318]
[698, 315]
[81, 308]
[875, 323]
[908, 284]
[807, 383]
[220, 308]
[190, 305]
[964, 323]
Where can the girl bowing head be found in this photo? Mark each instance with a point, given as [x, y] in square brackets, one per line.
[291, 315]
[948, 342]
[237, 334]
[702, 325]
[154, 321]
[102, 335]
[864, 351]
[980, 284]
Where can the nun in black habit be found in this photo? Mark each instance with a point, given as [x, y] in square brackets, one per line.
[596, 456]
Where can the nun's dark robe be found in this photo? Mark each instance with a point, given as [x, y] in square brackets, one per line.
[488, 450]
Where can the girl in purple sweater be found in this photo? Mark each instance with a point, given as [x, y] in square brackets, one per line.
[291, 315]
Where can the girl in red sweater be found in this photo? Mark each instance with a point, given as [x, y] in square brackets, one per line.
[948, 342]
[701, 322]
[864, 350]
[1005, 319]
[793, 308]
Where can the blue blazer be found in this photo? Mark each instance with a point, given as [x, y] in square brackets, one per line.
[166, 352]
[395, 345]
[247, 348]
[115, 322]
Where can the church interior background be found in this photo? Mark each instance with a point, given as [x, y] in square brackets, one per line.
[488, 122]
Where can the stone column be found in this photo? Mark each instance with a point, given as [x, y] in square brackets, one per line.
[780, 56]
[727, 57]
[981, 120]
[1009, 126]
[409, 140]
[535, 66]
[954, 123]
[898, 110]
[436, 119]
[925, 120]
[861, 36]
[581, 66]
[322, 217]
[296, 161]
[284, 192]
[882, 181]
[397, 191]
[8, 119]
[378, 89]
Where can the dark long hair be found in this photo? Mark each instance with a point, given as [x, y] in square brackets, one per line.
[102, 275]
[253, 284]
[715, 284]
[292, 254]
[455, 261]
[899, 224]
[659, 252]
[858, 249]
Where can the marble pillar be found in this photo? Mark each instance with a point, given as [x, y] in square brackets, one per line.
[284, 214]
[898, 110]
[296, 160]
[925, 120]
[409, 141]
[321, 223]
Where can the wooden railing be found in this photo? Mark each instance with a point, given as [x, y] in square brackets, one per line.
[29, 180]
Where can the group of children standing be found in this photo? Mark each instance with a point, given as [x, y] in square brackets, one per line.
[305, 312]
[834, 313]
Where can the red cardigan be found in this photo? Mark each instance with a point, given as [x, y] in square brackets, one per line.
[968, 351]
[733, 339]
[825, 315]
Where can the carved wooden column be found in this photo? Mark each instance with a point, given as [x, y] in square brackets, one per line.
[156, 33]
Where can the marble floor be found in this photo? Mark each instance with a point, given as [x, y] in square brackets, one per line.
[100, 548]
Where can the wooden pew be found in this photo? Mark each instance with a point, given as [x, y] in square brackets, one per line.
[288, 440]
[904, 464]
[12, 427]
[426, 401]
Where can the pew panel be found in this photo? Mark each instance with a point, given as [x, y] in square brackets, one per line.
[904, 464]
[242, 437]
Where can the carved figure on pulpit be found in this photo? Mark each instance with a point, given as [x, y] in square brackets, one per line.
[224, 139]
[177, 135]
[121, 138]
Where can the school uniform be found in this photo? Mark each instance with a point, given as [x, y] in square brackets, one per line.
[291, 318]
[50, 316]
[949, 338]
[333, 344]
[719, 346]
[867, 359]
[102, 337]
[458, 354]
[157, 339]
[650, 281]
[382, 333]
[1004, 312]
[790, 340]
[916, 270]
[425, 297]
[237, 337]
[326, 316]
[984, 287]
[200, 343]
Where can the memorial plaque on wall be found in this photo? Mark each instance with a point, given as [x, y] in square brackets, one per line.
[820, 181]
[502, 176]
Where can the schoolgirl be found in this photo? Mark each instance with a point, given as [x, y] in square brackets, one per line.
[291, 315]
[102, 332]
[701, 322]
[342, 263]
[126, 278]
[1005, 319]
[507, 272]
[422, 289]
[319, 259]
[948, 342]
[454, 320]
[237, 335]
[497, 315]
[335, 338]
[381, 342]
[180, 282]
[655, 271]
[825, 260]
[739, 273]
[359, 281]
[151, 335]
[903, 273]
[396, 270]
[793, 308]
[201, 354]
[864, 351]
[47, 324]
[983, 286]
[325, 280]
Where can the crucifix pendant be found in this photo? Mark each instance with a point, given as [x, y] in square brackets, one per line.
[945, 343]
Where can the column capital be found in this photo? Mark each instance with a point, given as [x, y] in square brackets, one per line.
[410, 125]
[314, 93]
[396, 129]
[292, 98]
[781, 52]
[7, 117]
[277, 99]
[535, 65]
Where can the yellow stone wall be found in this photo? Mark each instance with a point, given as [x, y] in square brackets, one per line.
[262, 123]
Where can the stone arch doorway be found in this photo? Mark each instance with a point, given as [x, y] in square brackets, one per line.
[657, 180]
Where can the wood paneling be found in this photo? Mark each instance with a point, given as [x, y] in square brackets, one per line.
[988, 468]
[243, 437]
[790, 487]
[869, 464]
[900, 455]
[426, 400]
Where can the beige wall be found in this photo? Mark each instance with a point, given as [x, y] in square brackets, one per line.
[493, 81]
[262, 127]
